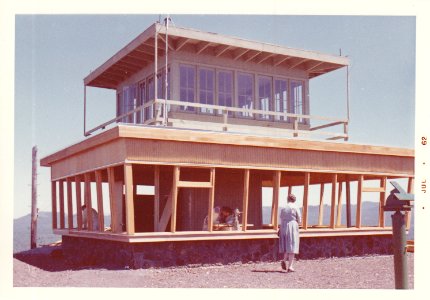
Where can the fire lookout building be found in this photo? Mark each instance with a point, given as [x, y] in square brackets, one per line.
[206, 120]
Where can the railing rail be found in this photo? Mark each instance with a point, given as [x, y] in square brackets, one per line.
[158, 107]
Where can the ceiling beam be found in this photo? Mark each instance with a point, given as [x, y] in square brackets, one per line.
[265, 57]
[239, 52]
[221, 49]
[296, 64]
[277, 60]
[309, 66]
[200, 47]
[181, 43]
[164, 43]
[252, 56]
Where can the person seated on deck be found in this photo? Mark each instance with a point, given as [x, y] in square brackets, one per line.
[95, 217]
[224, 219]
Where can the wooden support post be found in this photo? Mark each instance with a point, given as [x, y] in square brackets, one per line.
[156, 197]
[87, 199]
[383, 185]
[348, 203]
[211, 200]
[129, 205]
[34, 210]
[305, 200]
[245, 199]
[114, 213]
[176, 177]
[333, 200]
[54, 203]
[321, 208]
[78, 202]
[61, 194]
[408, 213]
[275, 198]
[100, 209]
[359, 196]
[69, 203]
[290, 189]
[339, 206]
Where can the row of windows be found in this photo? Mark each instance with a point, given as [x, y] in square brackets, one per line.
[221, 87]
[273, 94]
[135, 95]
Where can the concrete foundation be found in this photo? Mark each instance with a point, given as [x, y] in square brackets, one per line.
[196, 253]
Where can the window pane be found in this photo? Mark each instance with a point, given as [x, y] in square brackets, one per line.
[296, 102]
[206, 93]
[245, 93]
[281, 98]
[264, 94]
[187, 83]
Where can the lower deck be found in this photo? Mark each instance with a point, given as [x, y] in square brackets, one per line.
[157, 185]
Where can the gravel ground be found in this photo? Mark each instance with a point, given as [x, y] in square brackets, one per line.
[42, 269]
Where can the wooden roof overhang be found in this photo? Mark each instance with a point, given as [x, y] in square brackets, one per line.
[140, 52]
[168, 146]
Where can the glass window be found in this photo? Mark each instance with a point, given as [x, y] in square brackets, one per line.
[245, 92]
[206, 89]
[225, 89]
[187, 79]
[127, 103]
[142, 100]
[296, 102]
[264, 94]
[281, 98]
[150, 94]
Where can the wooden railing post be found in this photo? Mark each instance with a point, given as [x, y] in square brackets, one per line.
[78, 201]
[333, 200]
[211, 200]
[359, 197]
[100, 209]
[383, 184]
[305, 200]
[87, 199]
[54, 203]
[156, 197]
[348, 202]
[61, 194]
[129, 201]
[245, 199]
[69, 203]
[176, 177]
[321, 207]
[275, 198]
[339, 206]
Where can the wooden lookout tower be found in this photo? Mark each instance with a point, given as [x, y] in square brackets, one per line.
[205, 120]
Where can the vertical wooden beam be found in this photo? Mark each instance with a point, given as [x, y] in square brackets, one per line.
[333, 200]
[305, 200]
[275, 198]
[211, 200]
[113, 212]
[87, 199]
[78, 202]
[129, 205]
[174, 203]
[408, 213]
[69, 203]
[339, 206]
[61, 194]
[245, 199]
[359, 196]
[156, 197]
[348, 203]
[54, 203]
[100, 200]
[321, 208]
[383, 185]
[290, 189]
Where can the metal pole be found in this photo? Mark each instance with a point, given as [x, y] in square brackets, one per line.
[33, 235]
[155, 70]
[399, 243]
[85, 110]
[166, 73]
[347, 92]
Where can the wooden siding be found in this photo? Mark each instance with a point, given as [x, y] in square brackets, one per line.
[184, 147]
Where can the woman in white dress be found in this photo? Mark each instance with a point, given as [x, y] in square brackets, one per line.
[289, 232]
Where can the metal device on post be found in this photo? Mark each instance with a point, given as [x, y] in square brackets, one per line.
[399, 201]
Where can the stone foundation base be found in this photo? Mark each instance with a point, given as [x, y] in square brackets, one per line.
[196, 253]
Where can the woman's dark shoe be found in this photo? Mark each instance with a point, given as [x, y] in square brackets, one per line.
[283, 265]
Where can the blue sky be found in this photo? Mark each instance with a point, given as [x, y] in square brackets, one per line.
[55, 52]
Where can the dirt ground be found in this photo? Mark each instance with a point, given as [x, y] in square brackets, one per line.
[44, 267]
